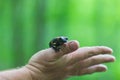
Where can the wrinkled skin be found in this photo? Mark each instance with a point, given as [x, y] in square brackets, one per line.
[69, 61]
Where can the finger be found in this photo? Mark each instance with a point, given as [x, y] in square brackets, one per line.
[69, 47]
[50, 54]
[96, 60]
[86, 52]
[93, 69]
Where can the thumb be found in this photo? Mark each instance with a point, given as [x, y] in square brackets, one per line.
[68, 48]
[50, 54]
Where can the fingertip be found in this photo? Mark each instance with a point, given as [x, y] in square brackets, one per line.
[69, 47]
[113, 58]
[102, 68]
[108, 49]
[73, 45]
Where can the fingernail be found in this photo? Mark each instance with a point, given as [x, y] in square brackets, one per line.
[73, 45]
[112, 59]
[103, 69]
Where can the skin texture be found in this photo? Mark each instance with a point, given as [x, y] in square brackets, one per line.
[69, 61]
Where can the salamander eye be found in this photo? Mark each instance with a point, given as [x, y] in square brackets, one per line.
[57, 42]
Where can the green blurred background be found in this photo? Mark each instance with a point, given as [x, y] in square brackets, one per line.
[26, 26]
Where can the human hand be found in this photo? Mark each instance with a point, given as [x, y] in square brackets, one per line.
[69, 61]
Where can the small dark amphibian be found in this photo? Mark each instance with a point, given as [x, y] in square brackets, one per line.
[57, 42]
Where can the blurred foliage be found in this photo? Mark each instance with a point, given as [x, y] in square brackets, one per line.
[26, 26]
